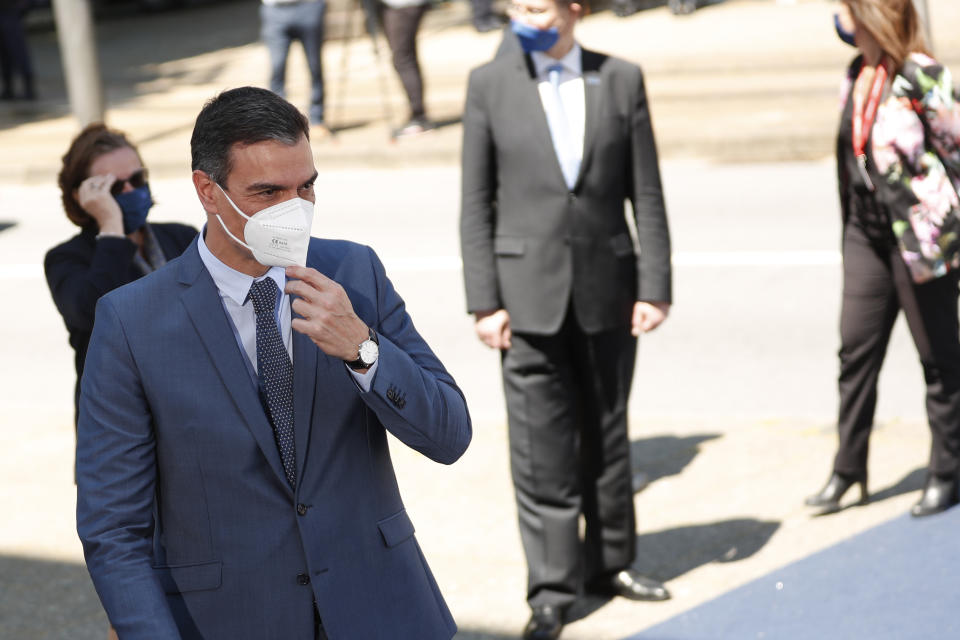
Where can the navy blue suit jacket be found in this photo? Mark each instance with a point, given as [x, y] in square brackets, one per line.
[189, 527]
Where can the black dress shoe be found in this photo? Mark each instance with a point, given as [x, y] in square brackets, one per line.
[829, 497]
[631, 585]
[939, 494]
[491, 23]
[545, 624]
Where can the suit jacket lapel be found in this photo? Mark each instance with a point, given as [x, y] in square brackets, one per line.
[202, 301]
[304, 387]
[592, 93]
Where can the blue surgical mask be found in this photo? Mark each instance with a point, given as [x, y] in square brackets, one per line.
[843, 34]
[533, 39]
[135, 206]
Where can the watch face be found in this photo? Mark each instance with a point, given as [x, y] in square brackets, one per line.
[369, 351]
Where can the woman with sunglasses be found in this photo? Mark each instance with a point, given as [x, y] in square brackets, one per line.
[897, 150]
[104, 189]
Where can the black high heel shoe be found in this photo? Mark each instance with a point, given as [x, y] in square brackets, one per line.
[829, 497]
[939, 494]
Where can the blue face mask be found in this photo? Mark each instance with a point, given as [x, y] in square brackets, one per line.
[533, 39]
[843, 34]
[135, 205]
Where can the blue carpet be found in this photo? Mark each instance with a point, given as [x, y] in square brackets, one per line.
[897, 581]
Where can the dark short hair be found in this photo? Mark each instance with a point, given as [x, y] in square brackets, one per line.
[94, 141]
[244, 116]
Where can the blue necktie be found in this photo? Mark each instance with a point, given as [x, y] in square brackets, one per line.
[563, 143]
[275, 372]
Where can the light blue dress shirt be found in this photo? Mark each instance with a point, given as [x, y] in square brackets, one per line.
[234, 288]
[564, 106]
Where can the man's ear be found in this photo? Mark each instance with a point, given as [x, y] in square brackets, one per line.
[206, 191]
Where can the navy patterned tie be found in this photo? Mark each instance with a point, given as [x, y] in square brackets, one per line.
[276, 373]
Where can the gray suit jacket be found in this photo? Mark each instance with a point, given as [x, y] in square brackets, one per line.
[531, 245]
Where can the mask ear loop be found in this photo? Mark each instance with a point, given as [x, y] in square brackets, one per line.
[237, 209]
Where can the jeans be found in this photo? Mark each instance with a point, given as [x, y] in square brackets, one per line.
[281, 24]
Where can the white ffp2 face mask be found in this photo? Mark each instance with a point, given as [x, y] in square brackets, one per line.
[279, 235]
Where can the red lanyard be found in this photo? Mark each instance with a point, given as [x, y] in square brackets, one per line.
[863, 117]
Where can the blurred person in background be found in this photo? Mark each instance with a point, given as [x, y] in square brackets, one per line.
[401, 21]
[897, 150]
[104, 190]
[282, 22]
[15, 51]
[484, 17]
[555, 139]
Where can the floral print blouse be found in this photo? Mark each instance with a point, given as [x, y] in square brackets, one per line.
[917, 161]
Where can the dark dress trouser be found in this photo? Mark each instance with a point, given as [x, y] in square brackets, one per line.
[566, 400]
[400, 25]
[876, 285]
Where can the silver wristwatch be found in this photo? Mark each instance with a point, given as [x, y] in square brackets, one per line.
[367, 353]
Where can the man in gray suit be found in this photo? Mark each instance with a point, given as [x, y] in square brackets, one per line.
[556, 138]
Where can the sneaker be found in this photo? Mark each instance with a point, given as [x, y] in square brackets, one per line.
[320, 132]
[682, 7]
[416, 126]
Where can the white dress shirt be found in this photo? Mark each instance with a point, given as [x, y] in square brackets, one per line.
[234, 288]
[571, 92]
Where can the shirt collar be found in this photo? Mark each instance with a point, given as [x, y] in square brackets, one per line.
[572, 62]
[229, 281]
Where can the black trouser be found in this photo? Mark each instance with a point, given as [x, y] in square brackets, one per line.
[400, 25]
[14, 53]
[876, 286]
[570, 454]
[482, 11]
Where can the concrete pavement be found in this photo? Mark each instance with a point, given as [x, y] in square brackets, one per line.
[732, 415]
[742, 80]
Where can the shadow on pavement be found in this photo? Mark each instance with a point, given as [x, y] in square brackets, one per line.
[131, 49]
[135, 47]
[663, 456]
[665, 555]
[48, 600]
[913, 481]
[668, 554]
[479, 634]
[624, 8]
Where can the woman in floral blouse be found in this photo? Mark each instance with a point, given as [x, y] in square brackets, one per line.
[898, 164]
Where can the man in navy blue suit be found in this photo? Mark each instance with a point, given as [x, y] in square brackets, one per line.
[233, 474]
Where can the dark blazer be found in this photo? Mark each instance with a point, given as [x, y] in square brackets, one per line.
[188, 525]
[83, 268]
[531, 245]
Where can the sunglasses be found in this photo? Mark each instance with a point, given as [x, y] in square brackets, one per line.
[136, 180]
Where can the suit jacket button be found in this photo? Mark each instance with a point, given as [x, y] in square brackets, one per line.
[302, 509]
[303, 579]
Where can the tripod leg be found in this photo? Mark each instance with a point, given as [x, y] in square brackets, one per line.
[345, 41]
